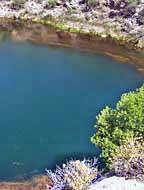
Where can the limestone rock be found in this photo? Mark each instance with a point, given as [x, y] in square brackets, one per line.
[117, 183]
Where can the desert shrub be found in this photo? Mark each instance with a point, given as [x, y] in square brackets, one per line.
[128, 159]
[50, 3]
[19, 2]
[93, 2]
[132, 2]
[74, 175]
[115, 125]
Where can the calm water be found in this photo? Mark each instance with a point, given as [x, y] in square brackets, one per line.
[49, 98]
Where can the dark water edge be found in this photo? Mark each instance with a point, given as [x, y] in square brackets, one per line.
[27, 31]
[43, 37]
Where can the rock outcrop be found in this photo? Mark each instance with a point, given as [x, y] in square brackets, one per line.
[122, 20]
[117, 183]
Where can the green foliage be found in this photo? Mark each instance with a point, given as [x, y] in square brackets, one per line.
[19, 3]
[93, 2]
[50, 3]
[128, 159]
[132, 2]
[113, 126]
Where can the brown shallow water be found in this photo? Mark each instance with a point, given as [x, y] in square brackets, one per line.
[37, 183]
[41, 34]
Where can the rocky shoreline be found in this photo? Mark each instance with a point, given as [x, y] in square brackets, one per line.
[37, 33]
[42, 183]
[121, 20]
[36, 183]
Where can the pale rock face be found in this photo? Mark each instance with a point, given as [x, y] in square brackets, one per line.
[117, 183]
[33, 7]
[142, 1]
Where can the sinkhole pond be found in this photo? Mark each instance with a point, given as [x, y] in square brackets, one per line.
[49, 97]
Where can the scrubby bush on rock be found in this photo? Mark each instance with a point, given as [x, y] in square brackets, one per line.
[18, 3]
[128, 159]
[113, 126]
[50, 3]
[93, 3]
[74, 175]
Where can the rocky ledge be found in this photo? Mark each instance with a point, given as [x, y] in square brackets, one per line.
[117, 183]
[122, 20]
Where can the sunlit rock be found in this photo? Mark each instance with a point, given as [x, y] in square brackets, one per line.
[117, 183]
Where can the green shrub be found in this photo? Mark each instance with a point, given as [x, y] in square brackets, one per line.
[18, 3]
[50, 3]
[128, 159]
[132, 2]
[113, 126]
[93, 2]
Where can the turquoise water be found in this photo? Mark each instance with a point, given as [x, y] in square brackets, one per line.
[49, 97]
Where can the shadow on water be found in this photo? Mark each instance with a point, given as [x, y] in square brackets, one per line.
[61, 159]
[43, 35]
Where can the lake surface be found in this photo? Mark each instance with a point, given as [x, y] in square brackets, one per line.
[49, 97]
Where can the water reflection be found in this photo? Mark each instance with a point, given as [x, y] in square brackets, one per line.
[41, 34]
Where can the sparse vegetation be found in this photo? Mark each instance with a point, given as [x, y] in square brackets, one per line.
[128, 159]
[18, 3]
[50, 3]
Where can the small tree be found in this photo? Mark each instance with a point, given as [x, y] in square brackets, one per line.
[115, 125]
